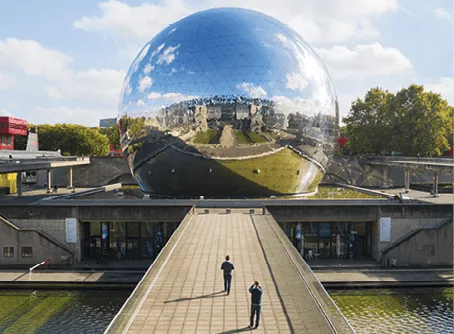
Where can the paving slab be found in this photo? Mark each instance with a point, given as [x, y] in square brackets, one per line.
[182, 292]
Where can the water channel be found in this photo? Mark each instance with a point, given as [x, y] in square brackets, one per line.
[399, 311]
[50, 312]
[369, 311]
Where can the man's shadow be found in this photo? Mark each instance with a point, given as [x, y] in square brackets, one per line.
[211, 295]
[238, 330]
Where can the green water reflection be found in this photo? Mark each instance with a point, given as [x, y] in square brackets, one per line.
[58, 311]
[397, 310]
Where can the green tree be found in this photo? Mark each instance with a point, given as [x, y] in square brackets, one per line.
[411, 122]
[72, 139]
[422, 122]
[112, 133]
[367, 124]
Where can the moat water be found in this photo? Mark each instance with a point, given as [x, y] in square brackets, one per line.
[44, 311]
[368, 311]
[397, 310]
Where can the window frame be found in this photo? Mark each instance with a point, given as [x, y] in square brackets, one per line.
[22, 252]
[3, 252]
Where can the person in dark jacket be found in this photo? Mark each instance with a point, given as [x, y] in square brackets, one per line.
[227, 266]
[256, 292]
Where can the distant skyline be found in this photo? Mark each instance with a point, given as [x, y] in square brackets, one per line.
[65, 61]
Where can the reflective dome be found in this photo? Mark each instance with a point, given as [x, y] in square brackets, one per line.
[228, 102]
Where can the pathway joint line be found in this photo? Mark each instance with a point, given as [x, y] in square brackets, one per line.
[281, 300]
[158, 274]
[317, 302]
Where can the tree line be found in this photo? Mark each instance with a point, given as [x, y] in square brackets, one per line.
[412, 122]
[73, 139]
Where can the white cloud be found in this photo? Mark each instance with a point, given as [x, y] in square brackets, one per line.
[83, 116]
[364, 61]
[154, 96]
[317, 21]
[441, 13]
[168, 55]
[140, 103]
[296, 82]
[145, 83]
[138, 22]
[444, 87]
[252, 90]
[102, 86]
[148, 69]
[6, 81]
[34, 59]
[4, 112]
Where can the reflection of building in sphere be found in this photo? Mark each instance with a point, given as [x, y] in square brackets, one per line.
[224, 93]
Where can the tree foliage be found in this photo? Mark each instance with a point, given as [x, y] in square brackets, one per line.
[113, 134]
[72, 139]
[411, 122]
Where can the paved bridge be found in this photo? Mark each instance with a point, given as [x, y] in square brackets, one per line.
[182, 292]
[436, 165]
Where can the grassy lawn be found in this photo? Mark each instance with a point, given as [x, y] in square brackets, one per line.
[277, 171]
[206, 137]
[345, 193]
[249, 137]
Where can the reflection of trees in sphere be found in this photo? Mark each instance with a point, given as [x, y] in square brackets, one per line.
[221, 94]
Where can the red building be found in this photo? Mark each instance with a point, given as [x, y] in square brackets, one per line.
[10, 127]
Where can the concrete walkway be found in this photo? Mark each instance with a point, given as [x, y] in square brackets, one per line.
[183, 291]
[385, 275]
[112, 276]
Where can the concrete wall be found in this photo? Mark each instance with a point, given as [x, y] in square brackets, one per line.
[399, 227]
[101, 171]
[108, 170]
[355, 171]
[43, 249]
[427, 247]
[54, 227]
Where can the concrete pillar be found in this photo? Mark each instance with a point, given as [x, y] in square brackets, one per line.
[19, 184]
[385, 176]
[49, 180]
[435, 185]
[407, 180]
[70, 177]
[164, 233]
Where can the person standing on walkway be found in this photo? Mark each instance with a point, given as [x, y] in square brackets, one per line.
[256, 292]
[227, 266]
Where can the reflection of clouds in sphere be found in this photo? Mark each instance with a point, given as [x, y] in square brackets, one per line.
[223, 71]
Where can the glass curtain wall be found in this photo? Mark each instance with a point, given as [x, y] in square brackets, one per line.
[329, 240]
[125, 240]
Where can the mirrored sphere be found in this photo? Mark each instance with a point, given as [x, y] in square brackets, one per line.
[228, 102]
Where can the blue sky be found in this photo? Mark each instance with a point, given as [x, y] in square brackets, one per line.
[65, 60]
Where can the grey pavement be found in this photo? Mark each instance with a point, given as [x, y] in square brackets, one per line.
[182, 290]
[423, 196]
[111, 276]
[385, 275]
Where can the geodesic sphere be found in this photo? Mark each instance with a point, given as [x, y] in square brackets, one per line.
[228, 102]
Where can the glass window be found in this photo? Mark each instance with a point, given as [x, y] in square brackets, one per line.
[133, 229]
[324, 229]
[27, 252]
[310, 229]
[8, 251]
[95, 228]
[360, 229]
[338, 228]
[147, 230]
